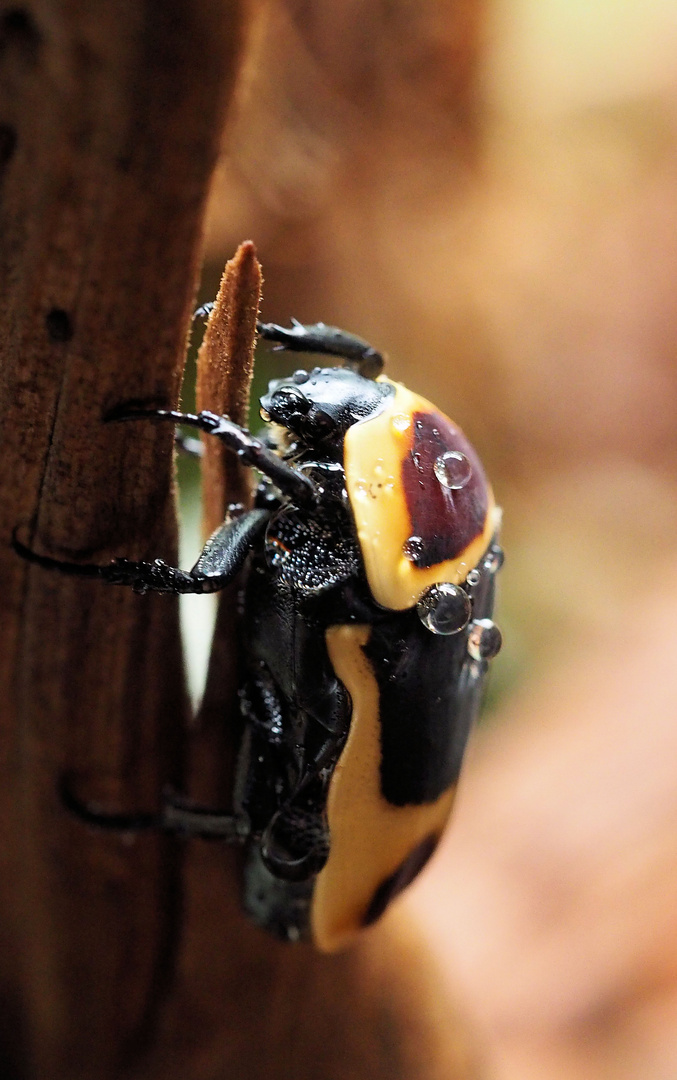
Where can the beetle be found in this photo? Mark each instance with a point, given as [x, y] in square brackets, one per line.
[372, 550]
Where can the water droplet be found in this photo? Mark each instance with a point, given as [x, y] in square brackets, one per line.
[484, 640]
[400, 423]
[264, 414]
[413, 548]
[444, 608]
[473, 578]
[300, 376]
[453, 470]
[494, 560]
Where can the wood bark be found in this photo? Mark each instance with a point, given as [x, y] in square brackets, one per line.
[111, 115]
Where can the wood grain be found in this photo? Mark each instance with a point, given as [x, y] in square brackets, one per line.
[111, 116]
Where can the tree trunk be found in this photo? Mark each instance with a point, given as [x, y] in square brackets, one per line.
[111, 118]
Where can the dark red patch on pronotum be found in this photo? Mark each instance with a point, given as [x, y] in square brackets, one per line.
[397, 882]
[447, 506]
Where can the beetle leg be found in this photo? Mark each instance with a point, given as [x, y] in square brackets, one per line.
[187, 445]
[329, 705]
[317, 338]
[295, 843]
[222, 557]
[178, 815]
[90, 813]
[320, 338]
[250, 450]
[291, 822]
[182, 816]
[322, 696]
[224, 554]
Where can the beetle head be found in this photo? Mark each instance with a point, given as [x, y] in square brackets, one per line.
[320, 405]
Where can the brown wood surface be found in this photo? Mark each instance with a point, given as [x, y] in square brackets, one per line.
[129, 956]
[111, 114]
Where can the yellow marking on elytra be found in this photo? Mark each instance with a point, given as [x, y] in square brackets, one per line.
[369, 837]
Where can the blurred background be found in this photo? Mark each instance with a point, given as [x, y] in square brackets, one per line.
[485, 189]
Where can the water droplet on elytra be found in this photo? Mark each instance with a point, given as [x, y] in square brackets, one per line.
[444, 608]
[400, 423]
[484, 639]
[413, 548]
[493, 560]
[453, 470]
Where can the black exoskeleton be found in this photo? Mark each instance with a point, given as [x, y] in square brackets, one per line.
[410, 687]
[305, 573]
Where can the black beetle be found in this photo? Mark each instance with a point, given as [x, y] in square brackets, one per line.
[372, 549]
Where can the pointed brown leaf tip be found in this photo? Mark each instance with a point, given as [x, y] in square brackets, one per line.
[227, 353]
[225, 367]
[247, 247]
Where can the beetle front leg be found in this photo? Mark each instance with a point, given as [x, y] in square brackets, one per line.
[222, 557]
[250, 450]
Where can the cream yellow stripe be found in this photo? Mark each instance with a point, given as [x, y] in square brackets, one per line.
[369, 838]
